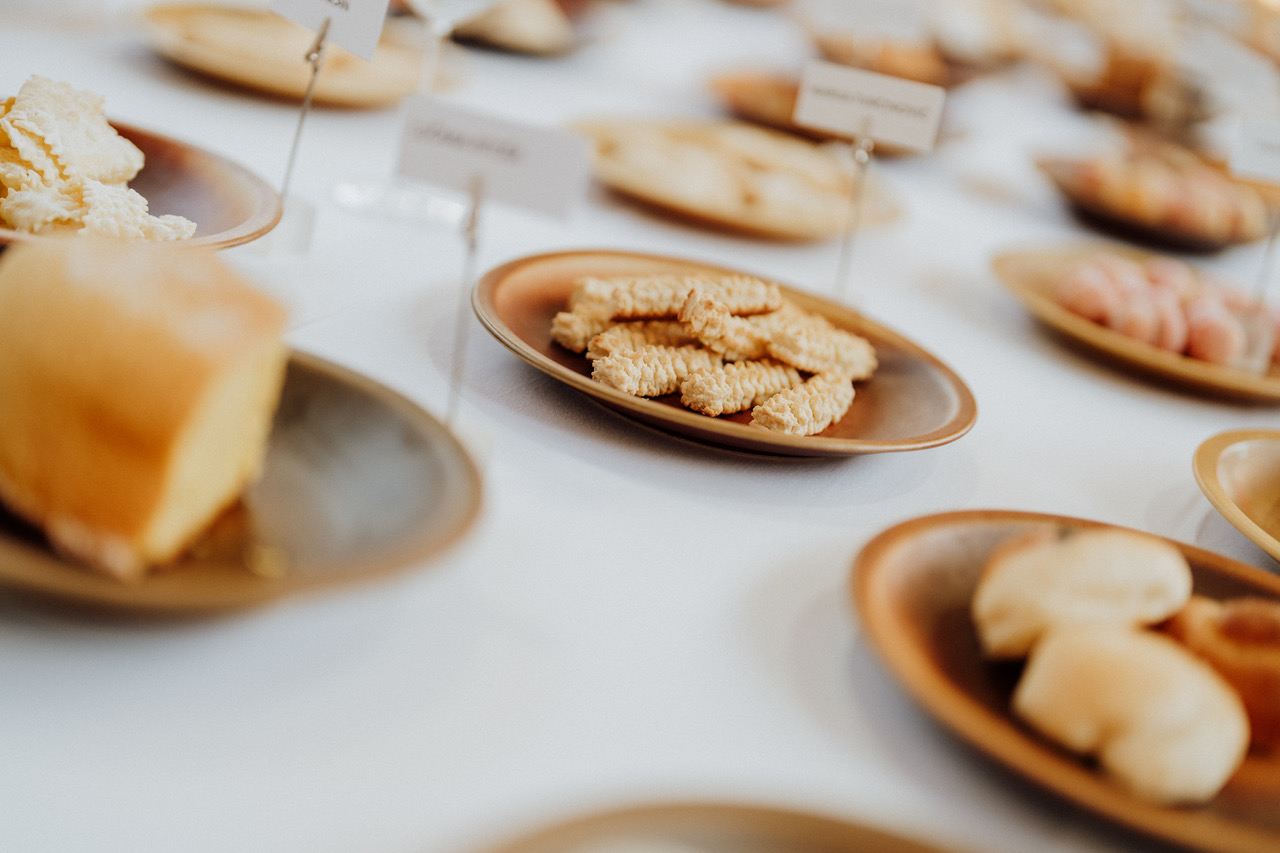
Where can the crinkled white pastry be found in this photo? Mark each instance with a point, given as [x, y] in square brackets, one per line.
[63, 167]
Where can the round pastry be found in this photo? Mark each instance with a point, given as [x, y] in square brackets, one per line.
[1161, 721]
[1240, 638]
[1102, 576]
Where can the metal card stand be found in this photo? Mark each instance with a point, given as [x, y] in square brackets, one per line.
[470, 233]
[298, 217]
[859, 150]
[400, 200]
[1259, 328]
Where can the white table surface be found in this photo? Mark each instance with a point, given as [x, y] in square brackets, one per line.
[632, 617]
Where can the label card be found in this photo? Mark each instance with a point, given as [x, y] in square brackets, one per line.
[537, 168]
[354, 24]
[853, 102]
[1256, 153]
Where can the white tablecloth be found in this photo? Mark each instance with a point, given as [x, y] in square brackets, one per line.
[633, 617]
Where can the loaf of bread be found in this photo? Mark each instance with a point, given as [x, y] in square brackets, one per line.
[1048, 578]
[1240, 638]
[1157, 718]
[137, 387]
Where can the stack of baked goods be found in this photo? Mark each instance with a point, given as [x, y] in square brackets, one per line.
[725, 343]
[137, 387]
[63, 167]
[1167, 690]
[1167, 303]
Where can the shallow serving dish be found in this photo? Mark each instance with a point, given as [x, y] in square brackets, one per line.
[1062, 174]
[263, 51]
[1031, 274]
[229, 204]
[1239, 472]
[693, 827]
[358, 482]
[912, 585]
[912, 401]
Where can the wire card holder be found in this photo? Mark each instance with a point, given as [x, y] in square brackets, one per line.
[356, 26]
[1256, 157]
[866, 108]
[539, 169]
[409, 201]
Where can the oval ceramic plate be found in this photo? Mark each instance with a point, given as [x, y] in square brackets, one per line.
[1062, 173]
[912, 401]
[1239, 472]
[764, 183]
[229, 204]
[263, 51]
[358, 482]
[1031, 275]
[912, 587]
[710, 828]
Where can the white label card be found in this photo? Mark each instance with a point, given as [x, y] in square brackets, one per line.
[853, 102]
[354, 24]
[537, 168]
[1256, 153]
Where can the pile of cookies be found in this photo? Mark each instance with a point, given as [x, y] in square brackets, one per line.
[726, 343]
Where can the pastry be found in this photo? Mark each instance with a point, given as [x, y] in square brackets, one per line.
[1240, 638]
[807, 408]
[64, 168]
[1158, 719]
[1166, 303]
[137, 386]
[1053, 578]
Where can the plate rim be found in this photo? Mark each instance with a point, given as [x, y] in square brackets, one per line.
[268, 206]
[1024, 753]
[577, 824]
[89, 590]
[693, 424]
[170, 41]
[1141, 357]
[1205, 466]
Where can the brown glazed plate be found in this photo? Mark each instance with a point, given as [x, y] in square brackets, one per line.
[1239, 472]
[1062, 174]
[696, 827]
[1031, 275]
[912, 585]
[913, 400]
[358, 482]
[229, 204]
[267, 53]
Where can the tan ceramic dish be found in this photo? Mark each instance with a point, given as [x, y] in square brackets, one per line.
[263, 51]
[710, 828]
[743, 212]
[1061, 173]
[1030, 275]
[913, 401]
[911, 589]
[358, 482]
[1239, 472]
[229, 204]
